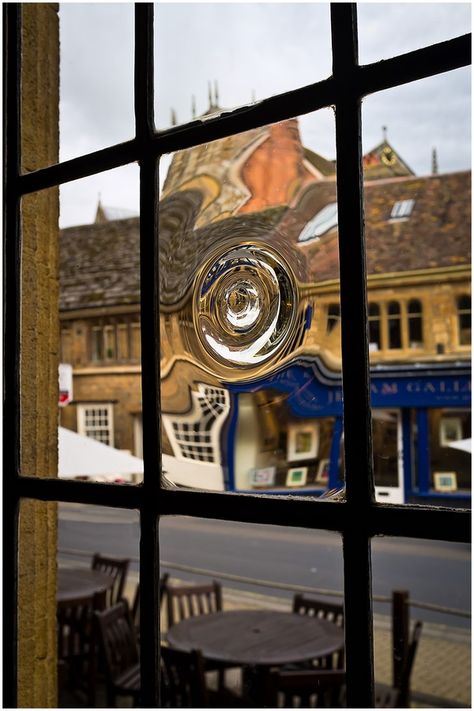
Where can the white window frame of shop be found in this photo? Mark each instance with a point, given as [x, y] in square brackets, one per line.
[85, 428]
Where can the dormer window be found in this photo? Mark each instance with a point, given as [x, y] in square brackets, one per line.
[402, 209]
[321, 223]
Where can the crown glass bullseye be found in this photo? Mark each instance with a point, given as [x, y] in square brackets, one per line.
[244, 306]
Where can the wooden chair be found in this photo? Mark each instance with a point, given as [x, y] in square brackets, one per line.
[190, 600]
[120, 652]
[333, 612]
[183, 683]
[186, 601]
[306, 689]
[76, 644]
[182, 679]
[399, 693]
[116, 568]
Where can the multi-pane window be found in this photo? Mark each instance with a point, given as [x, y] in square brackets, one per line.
[395, 325]
[343, 91]
[464, 320]
[96, 421]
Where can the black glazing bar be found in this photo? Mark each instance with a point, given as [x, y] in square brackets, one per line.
[430, 522]
[144, 70]
[358, 623]
[149, 550]
[11, 345]
[413, 66]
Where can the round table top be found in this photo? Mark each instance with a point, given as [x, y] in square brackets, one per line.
[257, 637]
[75, 583]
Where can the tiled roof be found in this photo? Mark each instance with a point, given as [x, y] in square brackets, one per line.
[99, 265]
[437, 233]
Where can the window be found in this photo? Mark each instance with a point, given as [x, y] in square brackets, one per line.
[333, 317]
[117, 342]
[415, 324]
[394, 325]
[96, 421]
[321, 223]
[375, 343]
[402, 209]
[358, 518]
[464, 320]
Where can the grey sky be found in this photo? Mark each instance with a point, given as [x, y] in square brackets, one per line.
[261, 48]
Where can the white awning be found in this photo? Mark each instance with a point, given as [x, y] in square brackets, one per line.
[84, 456]
[462, 444]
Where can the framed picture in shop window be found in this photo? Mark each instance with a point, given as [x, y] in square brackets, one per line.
[303, 441]
[323, 471]
[445, 481]
[450, 430]
[297, 476]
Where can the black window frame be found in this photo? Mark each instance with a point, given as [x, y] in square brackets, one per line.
[359, 517]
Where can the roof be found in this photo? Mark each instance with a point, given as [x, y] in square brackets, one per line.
[99, 265]
[437, 233]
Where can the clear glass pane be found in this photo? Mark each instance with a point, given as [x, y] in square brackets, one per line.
[96, 63]
[250, 327]
[418, 237]
[266, 580]
[100, 405]
[387, 29]
[233, 54]
[431, 582]
[74, 561]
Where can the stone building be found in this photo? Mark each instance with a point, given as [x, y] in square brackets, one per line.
[264, 187]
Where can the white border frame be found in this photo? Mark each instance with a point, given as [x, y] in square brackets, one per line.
[296, 429]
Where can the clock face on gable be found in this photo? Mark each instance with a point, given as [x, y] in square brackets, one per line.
[388, 156]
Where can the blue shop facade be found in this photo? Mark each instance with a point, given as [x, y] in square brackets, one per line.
[285, 432]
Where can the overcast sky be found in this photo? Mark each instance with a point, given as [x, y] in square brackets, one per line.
[250, 50]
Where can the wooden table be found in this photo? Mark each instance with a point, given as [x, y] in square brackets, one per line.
[259, 639]
[76, 583]
[80, 591]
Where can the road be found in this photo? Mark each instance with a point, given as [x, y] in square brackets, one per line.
[433, 571]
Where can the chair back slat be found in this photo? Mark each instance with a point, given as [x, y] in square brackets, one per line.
[120, 650]
[320, 609]
[191, 600]
[117, 568]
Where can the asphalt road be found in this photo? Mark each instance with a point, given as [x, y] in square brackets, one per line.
[434, 572]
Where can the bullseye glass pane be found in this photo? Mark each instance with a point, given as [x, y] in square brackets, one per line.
[250, 318]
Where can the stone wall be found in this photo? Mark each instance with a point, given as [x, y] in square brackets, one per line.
[39, 358]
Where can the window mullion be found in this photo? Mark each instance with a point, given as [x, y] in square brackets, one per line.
[355, 361]
[149, 551]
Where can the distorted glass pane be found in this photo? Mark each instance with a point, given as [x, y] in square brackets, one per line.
[417, 199]
[250, 317]
[422, 622]
[387, 29]
[233, 54]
